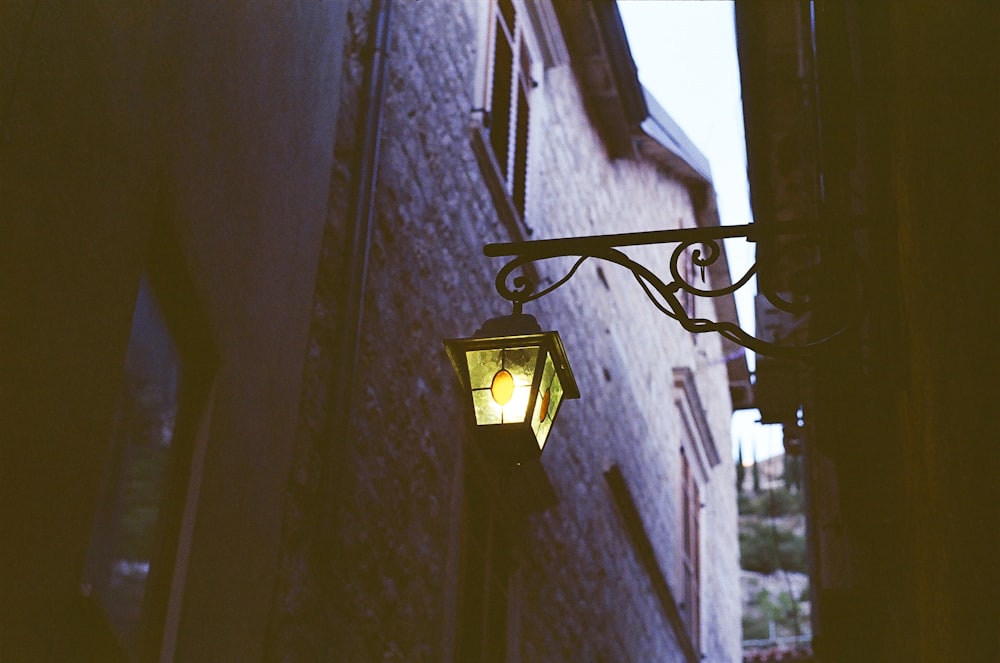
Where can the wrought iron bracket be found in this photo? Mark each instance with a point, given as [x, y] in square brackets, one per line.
[703, 245]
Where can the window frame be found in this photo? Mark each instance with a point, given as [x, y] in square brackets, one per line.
[172, 292]
[509, 176]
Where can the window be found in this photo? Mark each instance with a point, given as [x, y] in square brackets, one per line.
[483, 608]
[134, 539]
[690, 555]
[125, 534]
[508, 94]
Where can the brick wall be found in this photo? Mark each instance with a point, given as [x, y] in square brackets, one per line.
[374, 577]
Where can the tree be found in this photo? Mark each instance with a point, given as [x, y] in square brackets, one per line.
[791, 472]
[741, 472]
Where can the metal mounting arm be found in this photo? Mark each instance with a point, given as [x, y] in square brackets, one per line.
[705, 249]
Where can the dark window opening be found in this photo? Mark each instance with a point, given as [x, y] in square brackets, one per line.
[134, 538]
[126, 532]
[500, 101]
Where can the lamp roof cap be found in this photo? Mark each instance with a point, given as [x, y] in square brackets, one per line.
[509, 325]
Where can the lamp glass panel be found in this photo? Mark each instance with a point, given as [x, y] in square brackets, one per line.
[487, 410]
[484, 365]
[550, 395]
[516, 410]
[521, 362]
[540, 413]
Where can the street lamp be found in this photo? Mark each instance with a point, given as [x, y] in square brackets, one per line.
[516, 377]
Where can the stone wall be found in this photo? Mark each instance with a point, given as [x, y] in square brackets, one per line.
[373, 576]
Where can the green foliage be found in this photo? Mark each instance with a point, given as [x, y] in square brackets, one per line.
[782, 610]
[143, 483]
[142, 467]
[755, 627]
[765, 548]
[775, 502]
[745, 503]
[741, 472]
[792, 471]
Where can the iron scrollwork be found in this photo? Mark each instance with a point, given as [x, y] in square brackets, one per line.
[703, 246]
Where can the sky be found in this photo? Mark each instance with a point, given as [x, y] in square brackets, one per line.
[685, 51]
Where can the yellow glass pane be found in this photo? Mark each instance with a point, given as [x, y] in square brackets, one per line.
[557, 397]
[483, 365]
[542, 425]
[521, 363]
[543, 403]
[516, 410]
[542, 432]
[557, 385]
[487, 410]
[502, 388]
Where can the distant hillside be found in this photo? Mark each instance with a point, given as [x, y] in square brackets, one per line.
[774, 581]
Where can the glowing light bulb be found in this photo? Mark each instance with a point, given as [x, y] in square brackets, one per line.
[502, 388]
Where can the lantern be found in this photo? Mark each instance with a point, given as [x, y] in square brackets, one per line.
[516, 377]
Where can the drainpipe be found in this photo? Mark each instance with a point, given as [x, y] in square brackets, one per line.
[361, 212]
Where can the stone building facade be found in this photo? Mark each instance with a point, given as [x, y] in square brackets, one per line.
[326, 175]
[579, 587]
